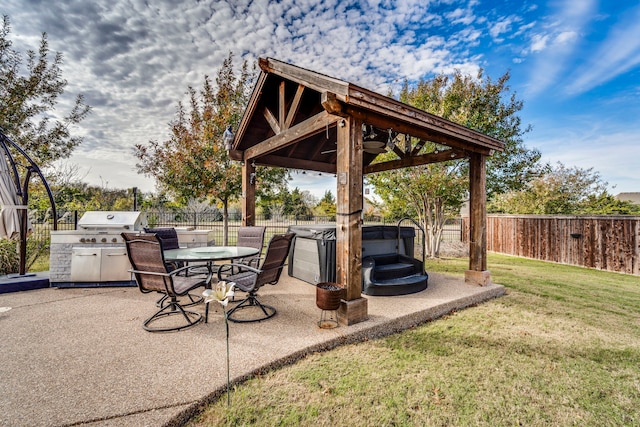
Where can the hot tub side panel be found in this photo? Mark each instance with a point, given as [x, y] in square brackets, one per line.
[312, 257]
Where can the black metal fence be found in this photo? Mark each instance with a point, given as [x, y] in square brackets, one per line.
[213, 221]
[42, 225]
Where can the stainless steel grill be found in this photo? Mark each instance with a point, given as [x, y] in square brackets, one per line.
[106, 259]
[94, 254]
[116, 221]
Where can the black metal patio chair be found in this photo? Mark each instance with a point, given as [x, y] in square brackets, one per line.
[252, 237]
[150, 270]
[169, 237]
[250, 279]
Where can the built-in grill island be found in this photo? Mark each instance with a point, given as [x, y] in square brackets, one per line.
[95, 254]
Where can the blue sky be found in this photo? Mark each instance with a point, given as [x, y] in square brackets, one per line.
[574, 63]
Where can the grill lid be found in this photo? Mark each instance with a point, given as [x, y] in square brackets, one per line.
[113, 220]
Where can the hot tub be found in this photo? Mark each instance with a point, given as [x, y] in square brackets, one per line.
[312, 257]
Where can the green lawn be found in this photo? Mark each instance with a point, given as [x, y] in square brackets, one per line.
[562, 347]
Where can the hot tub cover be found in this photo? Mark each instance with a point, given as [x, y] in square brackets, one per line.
[370, 232]
[316, 231]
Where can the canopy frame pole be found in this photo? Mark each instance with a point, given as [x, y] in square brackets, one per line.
[22, 191]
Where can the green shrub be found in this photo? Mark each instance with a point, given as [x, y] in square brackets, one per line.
[9, 259]
[37, 253]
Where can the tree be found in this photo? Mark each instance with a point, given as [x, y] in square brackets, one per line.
[277, 203]
[79, 196]
[298, 203]
[327, 205]
[607, 204]
[193, 162]
[562, 190]
[28, 102]
[481, 104]
[270, 203]
[435, 192]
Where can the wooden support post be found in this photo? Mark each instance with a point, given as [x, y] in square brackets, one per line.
[349, 220]
[248, 194]
[478, 273]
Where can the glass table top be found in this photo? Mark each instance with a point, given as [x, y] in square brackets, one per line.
[209, 253]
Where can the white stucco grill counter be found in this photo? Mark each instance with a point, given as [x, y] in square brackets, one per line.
[95, 254]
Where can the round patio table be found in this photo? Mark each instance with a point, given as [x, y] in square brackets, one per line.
[209, 254]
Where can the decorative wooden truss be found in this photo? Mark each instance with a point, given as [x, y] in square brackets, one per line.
[304, 120]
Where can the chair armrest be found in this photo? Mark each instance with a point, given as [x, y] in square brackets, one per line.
[157, 273]
[255, 261]
[241, 267]
[151, 273]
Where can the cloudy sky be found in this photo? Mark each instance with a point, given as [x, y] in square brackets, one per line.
[574, 63]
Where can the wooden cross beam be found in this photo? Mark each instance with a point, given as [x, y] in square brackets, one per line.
[312, 126]
[410, 161]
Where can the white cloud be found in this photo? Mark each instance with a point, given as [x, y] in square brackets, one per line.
[500, 27]
[619, 52]
[554, 43]
[566, 37]
[134, 60]
[595, 145]
[539, 42]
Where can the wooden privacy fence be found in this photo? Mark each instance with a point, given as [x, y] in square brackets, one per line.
[608, 242]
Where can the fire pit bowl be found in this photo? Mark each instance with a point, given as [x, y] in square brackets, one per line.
[328, 297]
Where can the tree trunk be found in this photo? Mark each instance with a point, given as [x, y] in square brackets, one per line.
[433, 223]
[225, 222]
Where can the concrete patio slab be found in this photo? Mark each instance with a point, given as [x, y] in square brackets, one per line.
[79, 356]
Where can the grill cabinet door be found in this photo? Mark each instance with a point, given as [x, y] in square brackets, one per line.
[115, 265]
[85, 264]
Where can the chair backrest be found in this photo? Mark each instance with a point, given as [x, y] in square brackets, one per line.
[251, 236]
[169, 236]
[277, 251]
[145, 254]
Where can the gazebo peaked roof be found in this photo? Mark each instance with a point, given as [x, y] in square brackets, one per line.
[293, 112]
[301, 119]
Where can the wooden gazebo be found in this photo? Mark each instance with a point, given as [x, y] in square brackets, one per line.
[301, 119]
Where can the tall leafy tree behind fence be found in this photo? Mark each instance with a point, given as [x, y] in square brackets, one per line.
[435, 192]
[193, 163]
